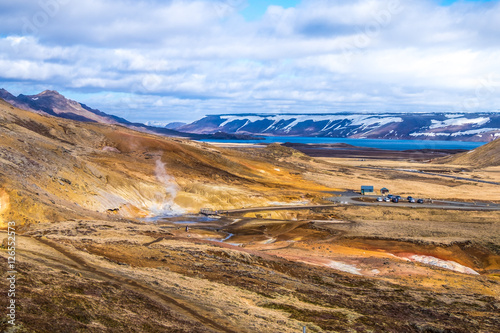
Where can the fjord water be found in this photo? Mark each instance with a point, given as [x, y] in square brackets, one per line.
[369, 143]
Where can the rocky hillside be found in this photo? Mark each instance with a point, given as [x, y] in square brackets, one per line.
[53, 169]
[484, 156]
[52, 103]
[467, 126]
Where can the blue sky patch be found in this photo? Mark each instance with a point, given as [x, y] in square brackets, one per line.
[450, 2]
[256, 8]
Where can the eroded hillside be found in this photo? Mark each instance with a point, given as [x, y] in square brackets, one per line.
[54, 169]
[484, 156]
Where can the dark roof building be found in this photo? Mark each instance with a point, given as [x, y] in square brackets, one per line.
[366, 189]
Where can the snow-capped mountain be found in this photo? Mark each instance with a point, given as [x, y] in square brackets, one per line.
[438, 126]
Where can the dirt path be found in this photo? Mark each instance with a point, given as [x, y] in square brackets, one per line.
[129, 283]
[259, 209]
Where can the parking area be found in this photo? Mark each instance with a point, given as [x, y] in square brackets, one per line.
[393, 200]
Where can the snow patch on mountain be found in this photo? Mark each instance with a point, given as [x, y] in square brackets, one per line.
[455, 134]
[230, 119]
[363, 121]
[459, 122]
[429, 134]
[474, 132]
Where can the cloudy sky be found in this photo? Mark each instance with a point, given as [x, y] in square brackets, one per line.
[179, 60]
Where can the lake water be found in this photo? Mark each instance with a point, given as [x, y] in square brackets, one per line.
[370, 143]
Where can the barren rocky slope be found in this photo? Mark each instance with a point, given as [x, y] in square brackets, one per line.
[50, 102]
[484, 156]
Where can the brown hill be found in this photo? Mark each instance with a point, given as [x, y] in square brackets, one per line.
[53, 169]
[484, 156]
[50, 102]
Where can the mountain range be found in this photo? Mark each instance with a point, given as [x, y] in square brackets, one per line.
[481, 127]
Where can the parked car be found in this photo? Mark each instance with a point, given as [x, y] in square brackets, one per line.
[379, 199]
[411, 200]
[398, 197]
[389, 196]
[420, 201]
[387, 199]
[395, 199]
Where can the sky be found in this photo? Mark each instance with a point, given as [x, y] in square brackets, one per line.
[179, 60]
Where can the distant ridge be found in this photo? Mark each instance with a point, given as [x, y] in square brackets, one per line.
[52, 103]
[480, 127]
[172, 125]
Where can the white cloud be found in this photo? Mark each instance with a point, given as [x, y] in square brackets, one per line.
[187, 58]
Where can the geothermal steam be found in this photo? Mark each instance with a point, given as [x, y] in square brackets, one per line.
[165, 205]
[168, 181]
